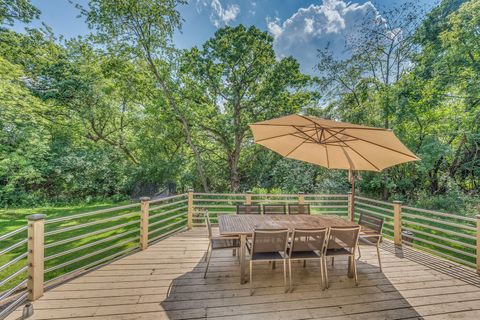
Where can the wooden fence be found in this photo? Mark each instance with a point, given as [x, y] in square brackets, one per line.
[46, 251]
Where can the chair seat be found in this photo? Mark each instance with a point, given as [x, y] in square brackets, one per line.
[267, 256]
[225, 243]
[304, 255]
[338, 252]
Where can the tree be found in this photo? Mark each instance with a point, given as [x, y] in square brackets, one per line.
[144, 29]
[21, 10]
[235, 80]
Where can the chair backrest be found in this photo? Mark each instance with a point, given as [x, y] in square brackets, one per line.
[309, 239]
[209, 225]
[248, 209]
[371, 222]
[343, 237]
[274, 209]
[298, 209]
[270, 240]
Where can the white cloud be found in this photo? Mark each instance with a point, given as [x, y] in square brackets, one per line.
[327, 25]
[220, 15]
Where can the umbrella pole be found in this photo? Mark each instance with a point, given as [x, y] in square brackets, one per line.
[352, 180]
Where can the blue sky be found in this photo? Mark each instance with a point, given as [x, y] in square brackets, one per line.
[299, 26]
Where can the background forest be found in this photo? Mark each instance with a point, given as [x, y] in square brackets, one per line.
[123, 113]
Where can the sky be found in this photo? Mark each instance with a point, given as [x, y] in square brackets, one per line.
[299, 27]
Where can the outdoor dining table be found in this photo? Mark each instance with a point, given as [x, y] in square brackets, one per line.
[243, 226]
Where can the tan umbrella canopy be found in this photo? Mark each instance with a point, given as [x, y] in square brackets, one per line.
[332, 144]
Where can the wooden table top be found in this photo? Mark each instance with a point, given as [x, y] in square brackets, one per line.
[246, 223]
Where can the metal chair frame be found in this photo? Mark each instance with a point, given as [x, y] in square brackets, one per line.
[235, 243]
[350, 254]
[370, 234]
[267, 211]
[278, 232]
[320, 251]
[247, 209]
[305, 209]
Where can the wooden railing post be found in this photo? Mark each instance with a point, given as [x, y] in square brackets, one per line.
[397, 223]
[301, 198]
[478, 244]
[248, 197]
[190, 209]
[144, 217]
[351, 210]
[36, 225]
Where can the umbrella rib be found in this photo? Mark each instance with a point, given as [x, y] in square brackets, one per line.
[284, 135]
[303, 133]
[334, 134]
[362, 156]
[379, 145]
[326, 153]
[348, 146]
[298, 146]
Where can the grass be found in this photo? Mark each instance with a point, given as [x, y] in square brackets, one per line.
[59, 260]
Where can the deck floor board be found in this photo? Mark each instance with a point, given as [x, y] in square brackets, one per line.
[166, 282]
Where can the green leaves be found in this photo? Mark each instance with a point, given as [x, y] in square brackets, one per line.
[21, 10]
[232, 81]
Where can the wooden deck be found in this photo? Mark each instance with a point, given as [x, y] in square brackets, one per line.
[166, 282]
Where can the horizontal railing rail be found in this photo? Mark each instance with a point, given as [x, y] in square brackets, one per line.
[72, 244]
[448, 235]
[13, 269]
[66, 246]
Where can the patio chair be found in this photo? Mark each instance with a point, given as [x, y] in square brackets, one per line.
[269, 245]
[342, 241]
[370, 233]
[217, 242]
[248, 209]
[298, 209]
[274, 209]
[307, 244]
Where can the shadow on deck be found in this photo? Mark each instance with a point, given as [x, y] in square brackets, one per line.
[166, 282]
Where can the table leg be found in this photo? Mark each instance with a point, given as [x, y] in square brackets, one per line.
[351, 273]
[243, 244]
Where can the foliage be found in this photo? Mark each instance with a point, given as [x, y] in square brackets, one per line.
[235, 80]
[124, 113]
[22, 10]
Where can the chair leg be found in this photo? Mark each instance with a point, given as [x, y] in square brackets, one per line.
[251, 277]
[304, 263]
[379, 259]
[208, 249]
[326, 272]
[321, 274]
[285, 275]
[208, 262]
[290, 274]
[333, 261]
[359, 252]
[274, 265]
[355, 270]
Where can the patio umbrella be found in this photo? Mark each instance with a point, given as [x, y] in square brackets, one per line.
[332, 144]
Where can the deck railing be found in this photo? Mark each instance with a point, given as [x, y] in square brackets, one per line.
[48, 251]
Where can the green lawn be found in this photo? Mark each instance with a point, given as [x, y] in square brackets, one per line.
[11, 219]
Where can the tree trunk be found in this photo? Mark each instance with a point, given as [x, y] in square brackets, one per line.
[183, 121]
[235, 156]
